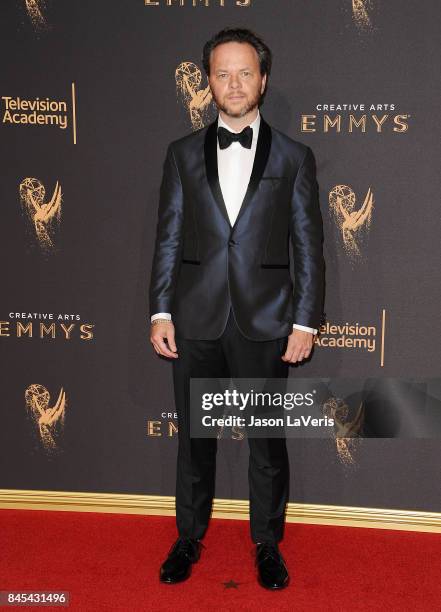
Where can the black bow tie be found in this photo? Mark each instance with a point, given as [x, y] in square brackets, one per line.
[245, 137]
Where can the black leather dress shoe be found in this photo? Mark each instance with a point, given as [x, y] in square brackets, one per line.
[177, 566]
[271, 568]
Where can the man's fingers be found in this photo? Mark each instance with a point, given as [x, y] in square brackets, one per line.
[171, 340]
[163, 348]
[296, 352]
[157, 337]
[288, 354]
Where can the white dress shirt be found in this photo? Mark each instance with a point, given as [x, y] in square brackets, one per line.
[235, 164]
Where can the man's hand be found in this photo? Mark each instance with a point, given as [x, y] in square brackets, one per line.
[157, 334]
[299, 346]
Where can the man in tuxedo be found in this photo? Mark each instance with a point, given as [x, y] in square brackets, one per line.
[222, 302]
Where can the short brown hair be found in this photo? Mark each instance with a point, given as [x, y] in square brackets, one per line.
[240, 35]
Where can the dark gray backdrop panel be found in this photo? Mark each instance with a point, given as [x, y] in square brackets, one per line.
[122, 58]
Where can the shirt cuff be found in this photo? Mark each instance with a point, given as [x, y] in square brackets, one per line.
[160, 315]
[311, 330]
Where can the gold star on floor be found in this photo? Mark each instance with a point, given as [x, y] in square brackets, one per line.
[231, 584]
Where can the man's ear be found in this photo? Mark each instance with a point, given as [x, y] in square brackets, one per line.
[263, 84]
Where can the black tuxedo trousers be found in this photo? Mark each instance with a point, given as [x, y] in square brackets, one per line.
[230, 355]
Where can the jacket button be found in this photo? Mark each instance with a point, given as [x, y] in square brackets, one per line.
[231, 242]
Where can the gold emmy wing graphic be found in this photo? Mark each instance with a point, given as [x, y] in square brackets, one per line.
[42, 215]
[346, 431]
[360, 14]
[352, 223]
[35, 10]
[49, 421]
[197, 101]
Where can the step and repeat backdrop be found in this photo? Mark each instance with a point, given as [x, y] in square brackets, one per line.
[91, 93]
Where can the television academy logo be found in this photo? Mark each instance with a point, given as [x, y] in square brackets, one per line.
[353, 336]
[353, 223]
[42, 112]
[37, 111]
[44, 217]
[48, 421]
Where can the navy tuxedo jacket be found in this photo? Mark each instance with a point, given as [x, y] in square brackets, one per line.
[202, 264]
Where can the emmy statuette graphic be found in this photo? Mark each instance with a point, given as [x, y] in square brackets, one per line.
[353, 223]
[44, 216]
[196, 100]
[346, 432]
[36, 13]
[48, 421]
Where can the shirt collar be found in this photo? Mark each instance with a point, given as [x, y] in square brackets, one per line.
[254, 125]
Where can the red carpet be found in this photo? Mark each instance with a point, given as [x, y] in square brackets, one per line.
[111, 562]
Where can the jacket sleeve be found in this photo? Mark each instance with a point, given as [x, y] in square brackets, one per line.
[168, 243]
[306, 230]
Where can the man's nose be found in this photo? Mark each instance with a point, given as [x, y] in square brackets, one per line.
[234, 82]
